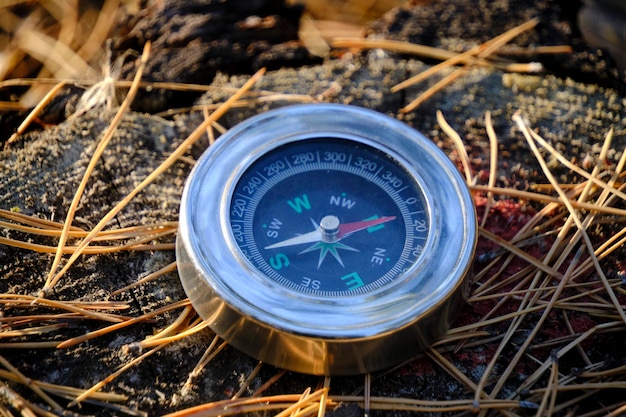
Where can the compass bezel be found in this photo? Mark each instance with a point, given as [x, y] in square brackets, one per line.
[309, 333]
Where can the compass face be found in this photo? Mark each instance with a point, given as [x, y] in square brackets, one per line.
[329, 217]
[326, 239]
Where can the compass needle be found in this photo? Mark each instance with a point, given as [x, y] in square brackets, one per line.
[314, 236]
[345, 245]
[348, 229]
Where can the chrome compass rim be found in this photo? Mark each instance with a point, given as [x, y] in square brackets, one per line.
[307, 332]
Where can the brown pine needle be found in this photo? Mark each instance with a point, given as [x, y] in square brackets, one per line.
[34, 113]
[104, 235]
[526, 131]
[572, 333]
[586, 386]
[88, 393]
[100, 30]
[63, 390]
[298, 411]
[596, 181]
[164, 340]
[24, 380]
[458, 143]
[549, 288]
[29, 345]
[520, 253]
[409, 48]
[151, 277]
[193, 137]
[83, 309]
[447, 366]
[57, 57]
[248, 381]
[442, 54]
[269, 383]
[493, 165]
[604, 250]
[618, 371]
[28, 301]
[453, 336]
[537, 50]
[13, 399]
[183, 318]
[209, 354]
[526, 195]
[34, 221]
[33, 330]
[289, 402]
[136, 245]
[262, 97]
[39, 231]
[550, 392]
[434, 89]
[499, 319]
[14, 321]
[11, 106]
[256, 95]
[324, 398]
[209, 130]
[107, 136]
[481, 51]
[87, 336]
[441, 406]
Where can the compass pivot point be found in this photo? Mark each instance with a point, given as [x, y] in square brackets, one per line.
[330, 229]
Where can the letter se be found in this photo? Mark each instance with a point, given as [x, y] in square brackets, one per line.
[310, 283]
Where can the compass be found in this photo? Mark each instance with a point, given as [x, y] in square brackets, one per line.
[326, 239]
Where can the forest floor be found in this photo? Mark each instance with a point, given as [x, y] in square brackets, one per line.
[543, 330]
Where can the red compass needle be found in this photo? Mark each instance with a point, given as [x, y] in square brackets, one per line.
[343, 231]
[349, 228]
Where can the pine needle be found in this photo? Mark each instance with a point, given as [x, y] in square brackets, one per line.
[193, 137]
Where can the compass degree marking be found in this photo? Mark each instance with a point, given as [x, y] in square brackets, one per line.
[321, 238]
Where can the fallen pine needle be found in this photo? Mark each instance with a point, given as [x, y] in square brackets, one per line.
[36, 389]
[458, 143]
[34, 113]
[107, 136]
[288, 402]
[150, 277]
[527, 133]
[481, 51]
[87, 336]
[88, 393]
[190, 140]
[493, 165]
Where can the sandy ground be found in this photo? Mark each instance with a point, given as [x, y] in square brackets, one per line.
[40, 173]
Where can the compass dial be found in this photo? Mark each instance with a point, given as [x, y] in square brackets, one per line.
[329, 217]
[326, 239]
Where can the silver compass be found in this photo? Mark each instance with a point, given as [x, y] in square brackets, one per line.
[326, 239]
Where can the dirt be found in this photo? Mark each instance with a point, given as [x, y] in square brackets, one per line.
[572, 104]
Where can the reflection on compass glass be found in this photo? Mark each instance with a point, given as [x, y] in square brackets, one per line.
[329, 217]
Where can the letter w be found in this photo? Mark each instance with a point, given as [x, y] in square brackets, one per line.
[300, 203]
